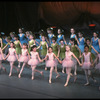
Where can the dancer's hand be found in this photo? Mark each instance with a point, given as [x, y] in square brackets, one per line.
[60, 62]
[80, 56]
[80, 64]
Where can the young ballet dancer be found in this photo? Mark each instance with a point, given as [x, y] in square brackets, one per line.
[44, 46]
[12, 57]
[81, 41]
[12, 36]
[97, 63]
[87, 63]
[2, 58]
[31, 42]
[24, 57]
[73, 35]
[50, 35]
[34, 61]
[95, 41]
[62, 50]
[88, 42]
[18, 47]
[7, 46]
[50, 62]
[60, 36]
[55, 48]
[68, 63]
[77, 52]
[22, 36]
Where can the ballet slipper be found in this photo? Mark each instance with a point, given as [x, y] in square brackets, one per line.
[41, 72]
[32, 78]
[75, 78]
[45, 68]
[19, 76]
[18, 66]
[66, 84]
[63, 71]
[50, 81]
[9, 74]
[86, 84]
[57, 76]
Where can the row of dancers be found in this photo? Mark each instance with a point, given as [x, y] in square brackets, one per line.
[33, 59]
[58, 50]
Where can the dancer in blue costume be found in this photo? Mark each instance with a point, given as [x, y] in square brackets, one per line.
[22, 36]
[81, 41]
[73, 35]
[50, 35]
[95, 43]
[60, 37]
[12, 36]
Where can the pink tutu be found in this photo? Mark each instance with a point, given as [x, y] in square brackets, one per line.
[97, 66]
[67, 63]
[33, 62]
[11, 58]
[1, 58]
[23, 58]
[86, 65]
[51, 63]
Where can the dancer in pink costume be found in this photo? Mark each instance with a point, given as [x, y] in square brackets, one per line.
[1, 58]
[97, 62]
[87, 64]
[24, 57]
[12, 57]
[34, 61]
[68, 63]
[51, 62]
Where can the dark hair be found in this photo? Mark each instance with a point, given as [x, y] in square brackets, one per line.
[96, 33]
[16, 36]
[34, 46]
[12, 43]
[50, 47]
[25, 44]
[61, 40]
[87, 38]
[86, 46]
[54, 38]
[73, 39]
[22, 29]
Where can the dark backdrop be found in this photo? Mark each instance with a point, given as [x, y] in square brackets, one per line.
[36, 15]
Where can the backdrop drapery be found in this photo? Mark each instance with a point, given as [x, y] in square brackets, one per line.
[36, 15]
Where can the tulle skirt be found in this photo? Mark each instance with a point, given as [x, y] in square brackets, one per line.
[33, 62]
[86, 65]
[1, 58]
[11, 58]
[97, 66]
[23, 59]
[68, 63]
[51, 63]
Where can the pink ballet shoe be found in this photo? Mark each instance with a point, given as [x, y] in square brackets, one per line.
[66, 84]
[19, 76]
[41, 72]
[57, 76]
[45, 68]
[32, 78]
[9, 74]
[63, 71]
[50, 81]
[86, 84]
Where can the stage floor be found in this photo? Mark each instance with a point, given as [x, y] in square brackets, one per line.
[13, 87]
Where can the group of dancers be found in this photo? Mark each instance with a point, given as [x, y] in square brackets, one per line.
[52, 50]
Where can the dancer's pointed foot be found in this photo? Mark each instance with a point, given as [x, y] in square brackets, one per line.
[50, 81]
